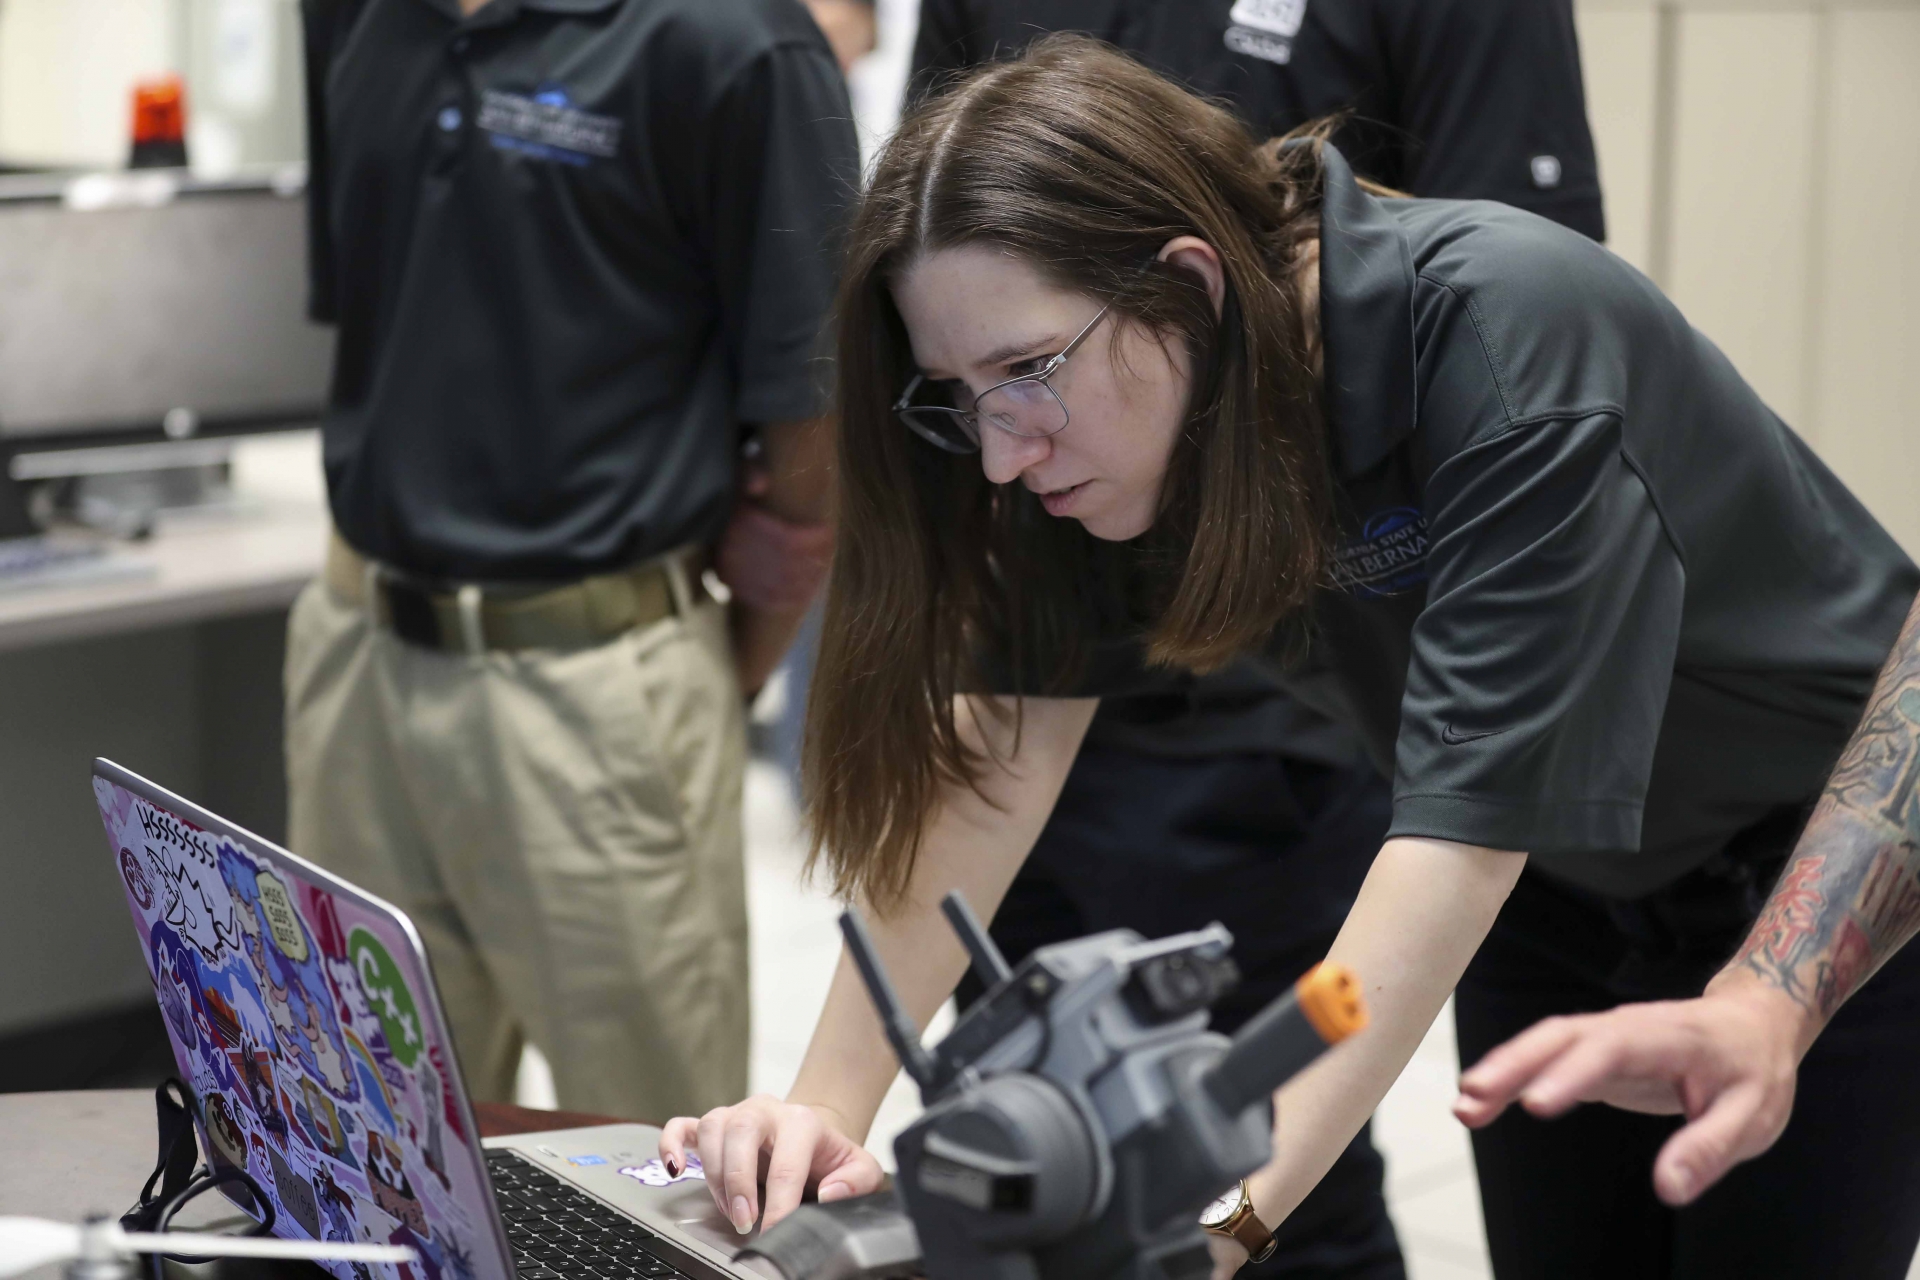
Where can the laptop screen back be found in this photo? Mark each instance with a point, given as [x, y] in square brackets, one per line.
[297, 1015]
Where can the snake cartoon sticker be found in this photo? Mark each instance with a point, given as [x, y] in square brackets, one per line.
[302, 1036]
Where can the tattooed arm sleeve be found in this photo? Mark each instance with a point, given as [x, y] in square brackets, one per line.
[1851, 896]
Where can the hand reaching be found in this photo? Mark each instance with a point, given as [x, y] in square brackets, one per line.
[1727, 1061]
[792, 1147]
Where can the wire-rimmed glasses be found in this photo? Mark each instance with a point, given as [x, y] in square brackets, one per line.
[1023, 406]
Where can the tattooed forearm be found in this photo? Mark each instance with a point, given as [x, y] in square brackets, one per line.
[1851, 895]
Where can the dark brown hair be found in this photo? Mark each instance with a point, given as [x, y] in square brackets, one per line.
[1083, 163]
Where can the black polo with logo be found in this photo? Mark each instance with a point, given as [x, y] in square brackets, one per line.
[1596, 602]
[571, 246]
[1477, 99]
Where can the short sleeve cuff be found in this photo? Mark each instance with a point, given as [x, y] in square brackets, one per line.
[1545, 827]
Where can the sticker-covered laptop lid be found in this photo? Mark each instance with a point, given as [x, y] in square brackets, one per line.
[295, 1012]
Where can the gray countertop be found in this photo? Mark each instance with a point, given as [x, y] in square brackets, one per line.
[66, 1156]
[252, 557]
[206, 567]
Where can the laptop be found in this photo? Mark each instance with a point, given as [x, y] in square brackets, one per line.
[303, 1012]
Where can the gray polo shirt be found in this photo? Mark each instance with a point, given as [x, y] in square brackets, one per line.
[1596, 602]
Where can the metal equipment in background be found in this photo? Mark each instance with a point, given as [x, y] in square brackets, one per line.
[146, 319]
[1077, 1118]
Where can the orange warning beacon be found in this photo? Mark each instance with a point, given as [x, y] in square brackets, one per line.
[159, 124]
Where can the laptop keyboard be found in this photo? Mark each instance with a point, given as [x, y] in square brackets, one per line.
[559, 1232]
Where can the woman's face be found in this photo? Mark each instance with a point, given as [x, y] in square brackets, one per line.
[978, 316]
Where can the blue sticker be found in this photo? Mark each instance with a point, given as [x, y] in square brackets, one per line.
[586, 1159]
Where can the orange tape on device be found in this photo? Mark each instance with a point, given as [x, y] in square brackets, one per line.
[1329, 995]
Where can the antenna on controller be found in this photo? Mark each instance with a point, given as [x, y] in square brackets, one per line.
[899, 1028]
[988, 964]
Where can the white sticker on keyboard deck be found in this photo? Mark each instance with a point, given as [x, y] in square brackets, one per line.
[655, 1174]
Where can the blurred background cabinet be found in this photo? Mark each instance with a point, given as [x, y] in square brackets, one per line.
[1761, 162]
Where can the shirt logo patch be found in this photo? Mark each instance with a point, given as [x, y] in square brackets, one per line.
[547, 125]
[1276, 17]
[1388, 557]
[1265, 29]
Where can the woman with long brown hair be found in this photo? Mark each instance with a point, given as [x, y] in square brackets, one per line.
[1469, 483]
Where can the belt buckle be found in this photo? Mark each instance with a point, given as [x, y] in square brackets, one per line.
[410, 612]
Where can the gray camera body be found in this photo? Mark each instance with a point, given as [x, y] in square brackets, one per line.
[1069, 1132]
[1077, 1120]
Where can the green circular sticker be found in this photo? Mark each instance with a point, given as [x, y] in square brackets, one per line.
[387, 995]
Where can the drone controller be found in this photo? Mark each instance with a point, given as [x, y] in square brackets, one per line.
[1077, 1118]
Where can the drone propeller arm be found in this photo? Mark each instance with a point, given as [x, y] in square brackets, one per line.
[26, 1243]
[261, 1247]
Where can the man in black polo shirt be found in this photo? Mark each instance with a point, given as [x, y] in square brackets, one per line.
[574, 249]
[1221, 798]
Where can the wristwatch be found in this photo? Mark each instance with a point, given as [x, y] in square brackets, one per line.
[1232, 1215]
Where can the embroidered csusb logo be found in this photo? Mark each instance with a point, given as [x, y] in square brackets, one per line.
[547, 124]
[1388, 557]
[1265, 29]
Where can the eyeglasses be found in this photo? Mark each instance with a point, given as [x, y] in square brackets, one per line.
[1023, 406]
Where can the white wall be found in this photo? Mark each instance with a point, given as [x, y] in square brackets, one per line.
[1761, 161]
[68, 67]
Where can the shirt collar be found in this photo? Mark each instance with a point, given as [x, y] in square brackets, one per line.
[1366, 321]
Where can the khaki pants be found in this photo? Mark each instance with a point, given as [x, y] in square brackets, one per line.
[564, 828]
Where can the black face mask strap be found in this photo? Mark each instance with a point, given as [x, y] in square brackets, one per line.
[177, 1109]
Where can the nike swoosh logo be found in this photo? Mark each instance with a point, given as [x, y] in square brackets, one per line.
[1454, 737]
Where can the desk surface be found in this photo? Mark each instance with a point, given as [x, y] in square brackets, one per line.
[247, 560]
[204, 567]
[71, 1154]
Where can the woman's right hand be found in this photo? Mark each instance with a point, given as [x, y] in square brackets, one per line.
[797, 1146]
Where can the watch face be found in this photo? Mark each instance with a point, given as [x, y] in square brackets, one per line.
[1217, 1213]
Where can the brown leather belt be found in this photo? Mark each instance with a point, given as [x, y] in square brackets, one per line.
[471, 618]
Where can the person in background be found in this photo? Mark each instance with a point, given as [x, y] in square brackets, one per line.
[578, 254]
[849, 26]
[1728, 1060]
[1219, 797]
